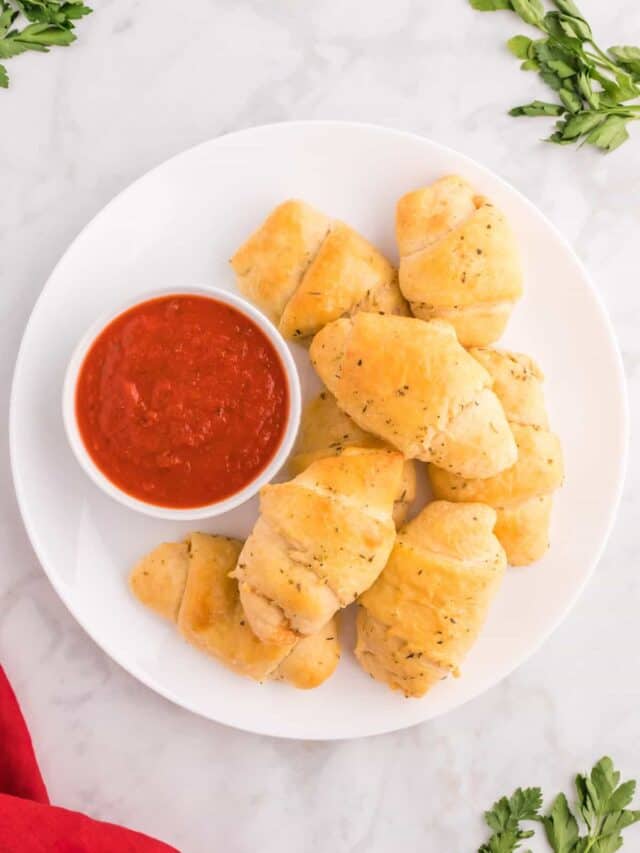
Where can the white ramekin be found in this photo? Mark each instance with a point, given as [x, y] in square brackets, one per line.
[219, 507]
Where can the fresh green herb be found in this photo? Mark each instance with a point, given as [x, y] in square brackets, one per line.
[36, 25]
[505, 818]
[561, 826]
[592, 86]
[629, 58]
[601, 804]
[538, 108]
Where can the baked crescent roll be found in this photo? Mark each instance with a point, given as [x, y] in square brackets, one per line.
[188, 583]
[522, 495]
[420, 618]
[410, 383]
[304, 270]
[321, 540]
[325, 430]
[458, 259]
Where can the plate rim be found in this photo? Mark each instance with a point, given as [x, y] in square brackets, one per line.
[623, 415]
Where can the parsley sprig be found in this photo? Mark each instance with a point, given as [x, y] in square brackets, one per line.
[592, 86]
[506, 816]
[50, 23]
[601, 805]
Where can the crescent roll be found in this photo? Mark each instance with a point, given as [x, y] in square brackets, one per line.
[325, 430]
[304, 270]
[188, 583]
[410, 383]
[320, 541]
[458, 259]
[522, 495]
[420, 618]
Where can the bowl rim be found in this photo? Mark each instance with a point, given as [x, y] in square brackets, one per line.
[217, 508]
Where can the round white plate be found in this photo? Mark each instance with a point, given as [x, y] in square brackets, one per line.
[178, 225]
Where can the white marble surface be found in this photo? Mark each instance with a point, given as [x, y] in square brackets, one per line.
[146, 80]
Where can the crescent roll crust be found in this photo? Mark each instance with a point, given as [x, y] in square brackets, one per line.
[522, 494]
[459, 259]
[410, 383]
[418, 621]
[271, 264]
[189, 583]
[313, 659]
[518, 382]
[304, 270]
[325, 430]
[321, 540]
[158, 580]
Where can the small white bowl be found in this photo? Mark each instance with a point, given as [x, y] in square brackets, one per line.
[209, 510]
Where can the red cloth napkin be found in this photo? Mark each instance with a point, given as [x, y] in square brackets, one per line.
[28, 823]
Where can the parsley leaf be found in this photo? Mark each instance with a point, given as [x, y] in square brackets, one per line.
[49, 23]
[538, 108]
[491, 5]
[520, 46]
[504, 842]
[627, 57]
[602, 803]
[610, 134]
[561, 826]
[531, 11]
[591, 85]
[504, 819]
[569, 7]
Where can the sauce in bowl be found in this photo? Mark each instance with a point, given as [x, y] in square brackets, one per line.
[182, 401]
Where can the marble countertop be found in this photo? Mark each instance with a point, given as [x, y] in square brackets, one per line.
[78, 126]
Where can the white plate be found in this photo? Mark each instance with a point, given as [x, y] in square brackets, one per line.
[178, 225]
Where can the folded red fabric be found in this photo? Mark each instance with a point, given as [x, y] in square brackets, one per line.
[28, 823]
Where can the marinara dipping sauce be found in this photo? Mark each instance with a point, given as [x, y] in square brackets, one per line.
[182, 401]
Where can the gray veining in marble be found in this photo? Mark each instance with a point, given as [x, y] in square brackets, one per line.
[146, 80]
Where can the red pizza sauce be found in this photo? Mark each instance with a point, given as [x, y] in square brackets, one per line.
[182, 401]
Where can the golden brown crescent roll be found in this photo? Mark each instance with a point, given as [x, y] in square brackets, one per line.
[159, 578]
[312, 659]
[420, 618]
[522, 495]
[188, 583]
[325, 430]
[304, 270]
[410, 383]
[458, 259]
[321, 539]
